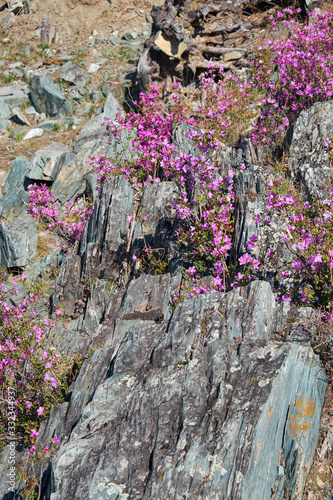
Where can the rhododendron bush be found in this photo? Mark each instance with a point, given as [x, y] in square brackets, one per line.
[67, 223]
[289, 75]
[308, 278]
[206, 200]
[28, 366]
[293, 73]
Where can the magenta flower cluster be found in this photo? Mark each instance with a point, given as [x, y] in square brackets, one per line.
[26, 364]
[293, 73]
[206, 199]
[68, 223]
[308, 278]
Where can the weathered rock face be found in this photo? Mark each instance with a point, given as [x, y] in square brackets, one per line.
[47, 98]
[46, 162]
[73, 75]
[4, 115]
[18, 242]
[105, 238]
[75, 177]
[310, 164]
[193, 406]
[15, 198]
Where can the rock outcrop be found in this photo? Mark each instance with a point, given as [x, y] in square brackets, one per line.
[218, 397]
[201, 404]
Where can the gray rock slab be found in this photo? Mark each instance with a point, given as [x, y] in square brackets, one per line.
[73, 75]
[18, 117]
[47, 98]
[18, 242]
[75, 177]
[202, 405]
[104, 241]
[4, 110]
[4, 124]
[49, 124]
[15, 197]
[46, 162]
[35, 132]
[309, 161]
[13, 94]
[147, 298]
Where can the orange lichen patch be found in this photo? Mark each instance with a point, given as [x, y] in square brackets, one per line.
[303, 410]
[258, 448]
[269, 414]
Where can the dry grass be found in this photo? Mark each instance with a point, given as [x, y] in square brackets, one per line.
[45, 243]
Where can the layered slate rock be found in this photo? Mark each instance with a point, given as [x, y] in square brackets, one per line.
[4, 115]
[72, 75]
[75, 177]
[15, 196]
[199, 405]
[105, 239]
[308, 158]
[46, 162]
[18, 242]
[47, 98]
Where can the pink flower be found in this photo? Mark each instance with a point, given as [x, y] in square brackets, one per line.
[257, 219]
[40, 411]
[318, 258]
[55, 439]
[129, 219]
[245, 259]
[28, 405]
[34, 433]
[256, 264]
[32, 449]
[59, 312]
[192, 270]
[134, 257]
[217, 281]
[286, 298]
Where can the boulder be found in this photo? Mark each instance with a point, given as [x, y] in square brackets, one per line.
[18, 117]
[13, 94]
[202, 404]
[73, 75]
[47, 98]
[4, 115]
[18, 242]
[4, 110]
[46, 162]
[15, 197]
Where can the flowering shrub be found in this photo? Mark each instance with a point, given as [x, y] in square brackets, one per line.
[303, 66]
[38, 459]
[68, 224]
[150, 129]
[308, 279]
[225, 110]
[223, 114]
[205, 205]
[34, 372]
